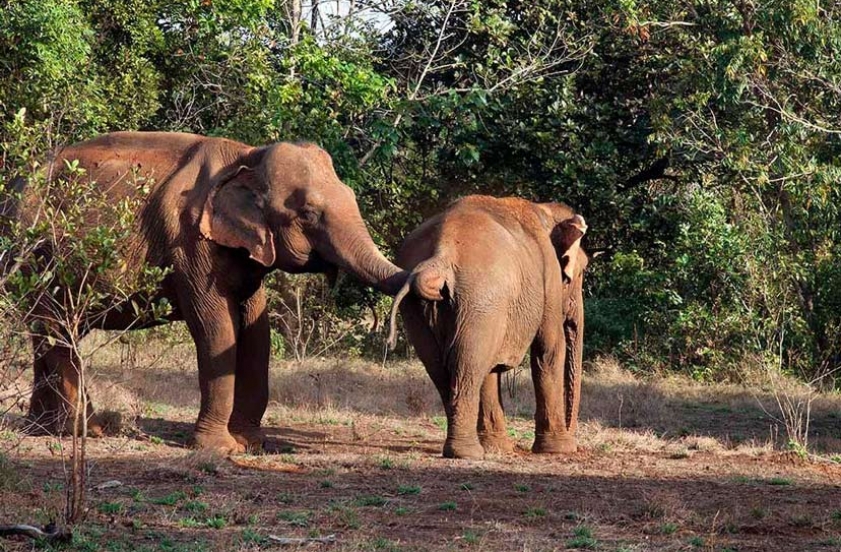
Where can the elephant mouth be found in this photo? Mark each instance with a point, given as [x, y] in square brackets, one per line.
[317, 265]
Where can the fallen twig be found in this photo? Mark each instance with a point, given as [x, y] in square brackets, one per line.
[297, 541]
[51, 532]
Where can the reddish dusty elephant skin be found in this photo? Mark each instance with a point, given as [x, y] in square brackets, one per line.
[221, 215]
[490, 278]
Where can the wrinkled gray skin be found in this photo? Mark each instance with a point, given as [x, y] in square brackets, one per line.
[221, 215]
[491, 278]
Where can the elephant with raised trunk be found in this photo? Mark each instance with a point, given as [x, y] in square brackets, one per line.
[220, 215]
[490, 278]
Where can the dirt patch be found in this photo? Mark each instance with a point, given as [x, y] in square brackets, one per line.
[357, 455]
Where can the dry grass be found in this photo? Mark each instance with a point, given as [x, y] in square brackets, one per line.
[620, 411]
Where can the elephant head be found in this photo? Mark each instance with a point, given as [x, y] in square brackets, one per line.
[286, 206]
[566, 237]
[566, 230]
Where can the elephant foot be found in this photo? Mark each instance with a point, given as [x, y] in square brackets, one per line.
[548, 443]
[498, 443]
[250, 437]
[221, 441]
[470, 449]
[59, 422]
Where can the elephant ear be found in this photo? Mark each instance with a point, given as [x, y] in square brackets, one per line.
[234, 213]
[566, 237]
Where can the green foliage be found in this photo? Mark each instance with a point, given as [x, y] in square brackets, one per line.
[700, 142]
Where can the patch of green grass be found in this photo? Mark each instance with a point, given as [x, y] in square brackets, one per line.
[535, 512]
[401, 511]
[696, 542]
[836, 516]
[780, 481]
[758, 513]
[582, 538]
[285, 498]
[48, 486]
[467, 486]
[573, 516]
[296, 518]
[470, 537]
[345, 516]
[189, 522]
[669, 528]
[155, 440]
[326, 484]
[372, 500]
[522, 488]
[835, 458]
[194, 506]
[216, 522]
[250, 536]
[137, 495]
[169, 500]
[383, 544]
[448, 506]
[802, 520]
[110, 508]
[408, 490]
[440, 421]
[385, 463]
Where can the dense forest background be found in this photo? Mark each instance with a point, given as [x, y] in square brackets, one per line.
[699, 139]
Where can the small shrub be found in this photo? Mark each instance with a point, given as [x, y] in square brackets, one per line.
[448, 506]
[408, 490]
[326, 484]
[386, 463]
[522, 488]
[696, 542]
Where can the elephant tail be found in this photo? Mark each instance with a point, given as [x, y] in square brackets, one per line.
[427, 281]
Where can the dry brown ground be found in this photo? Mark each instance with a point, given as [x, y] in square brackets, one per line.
[664, 465]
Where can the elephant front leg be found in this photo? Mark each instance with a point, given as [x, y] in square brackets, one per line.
[213, 322]
[55, 391]
[251, 389]
[548, 356]
[491, 428]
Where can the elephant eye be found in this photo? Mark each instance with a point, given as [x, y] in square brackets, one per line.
[310, 216]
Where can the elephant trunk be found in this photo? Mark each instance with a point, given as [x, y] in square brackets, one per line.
[355, 252]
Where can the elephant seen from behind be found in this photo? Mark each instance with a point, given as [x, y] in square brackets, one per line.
[491, 278]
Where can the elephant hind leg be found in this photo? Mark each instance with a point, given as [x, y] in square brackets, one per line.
[55, 391]
[491, 428]
[470, 362]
